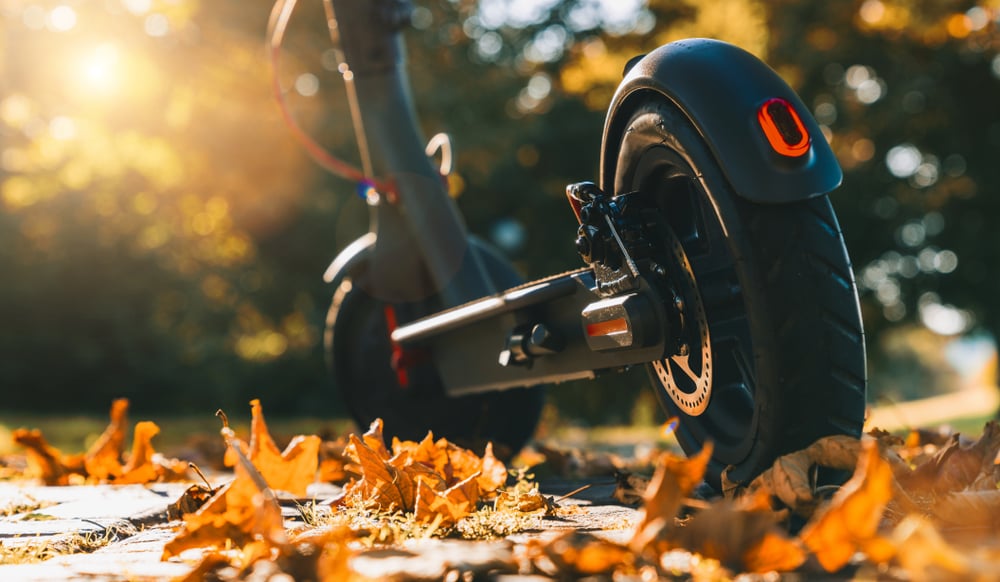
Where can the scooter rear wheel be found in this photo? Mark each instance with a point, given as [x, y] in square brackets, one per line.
[360, 356]
[772, 321]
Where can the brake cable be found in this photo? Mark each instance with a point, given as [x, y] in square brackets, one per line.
[277, 24]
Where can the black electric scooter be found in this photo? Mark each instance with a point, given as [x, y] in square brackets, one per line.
[711, 256]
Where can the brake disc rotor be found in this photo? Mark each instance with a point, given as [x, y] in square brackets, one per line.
[687, 376]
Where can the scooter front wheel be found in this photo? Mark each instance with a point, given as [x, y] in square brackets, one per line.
[774, 354]
[404, 389]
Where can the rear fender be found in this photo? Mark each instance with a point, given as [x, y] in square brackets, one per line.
[721, 88]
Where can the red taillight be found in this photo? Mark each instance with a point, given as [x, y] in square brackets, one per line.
[783, 128]
[609, 327]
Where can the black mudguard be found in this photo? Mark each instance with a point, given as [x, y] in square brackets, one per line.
[721, 88]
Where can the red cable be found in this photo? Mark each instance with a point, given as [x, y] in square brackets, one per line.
[277, 23]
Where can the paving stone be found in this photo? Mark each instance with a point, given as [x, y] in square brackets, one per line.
[98, 566]
[125, 512]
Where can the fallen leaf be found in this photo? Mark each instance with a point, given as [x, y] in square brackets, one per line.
[675, 478]
[957, 465]
[103, 460]
[451, 505]
[382, 485]
[193, 498]
[47, 462]
[968, 510]
[577, 463]
[790, 477]
[492, 473]
[243, 513]
[577, 554]
[452, 462]
[322, 554]
[851, 520]
[375, 440]
[742, 534]
[333, 462]
[629, 487]
[926, 556]
[291, 470]
[140, 467]
[774, 553]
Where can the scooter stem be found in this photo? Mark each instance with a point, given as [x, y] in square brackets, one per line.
[421, 216]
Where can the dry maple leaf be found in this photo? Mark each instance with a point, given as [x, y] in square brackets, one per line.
[674, 479]
[629, 487]
[790, 477]
[243, 514]
[451, 505]
[926, 556]
[291, 470]
[452, 462]
[968, 510]
[577, 463]
[577, 554]
[529, 501]
[492, 473]
[742, 534]
[140, 467]
[103, 459]
[382, 485]
[375, 439]
[428, 452]
[333, 462]
[850, 522]
[956, 466]
[320, 554]
[47, 462]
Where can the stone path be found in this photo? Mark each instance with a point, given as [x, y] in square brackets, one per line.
[133, 517]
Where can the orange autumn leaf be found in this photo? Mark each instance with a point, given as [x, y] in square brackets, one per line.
[103, 459]
[956, 465]
[291, 470]
[329, 552]
[451, 505]
[243, 513]
[851, 520]
[674, 479]
[381, 485]
[774, 553]
[333, 462]
[375, 440]
[577, 554]
[140, 467]
[47, 462]
[741, 534]
[493, 473]
[454, 463]
[426, 452]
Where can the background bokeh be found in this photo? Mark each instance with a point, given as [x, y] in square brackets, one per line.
[162, 236]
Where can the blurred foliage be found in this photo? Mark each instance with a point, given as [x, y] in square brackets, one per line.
[162, 237]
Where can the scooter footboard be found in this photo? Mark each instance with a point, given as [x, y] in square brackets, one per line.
[549, 331]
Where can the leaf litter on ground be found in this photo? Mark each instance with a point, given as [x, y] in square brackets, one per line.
[921, 506]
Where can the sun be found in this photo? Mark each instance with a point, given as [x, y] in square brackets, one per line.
[99, 69]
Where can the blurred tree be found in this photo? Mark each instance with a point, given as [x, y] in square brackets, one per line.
[146, 178]
[908, 92]
[162, 237]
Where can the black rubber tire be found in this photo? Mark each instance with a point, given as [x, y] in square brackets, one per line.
[787, 342]
[359, 355]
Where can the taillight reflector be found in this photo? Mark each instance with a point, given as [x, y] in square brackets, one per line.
[783, 128]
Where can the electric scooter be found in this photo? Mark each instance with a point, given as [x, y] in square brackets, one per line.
[710, 255]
